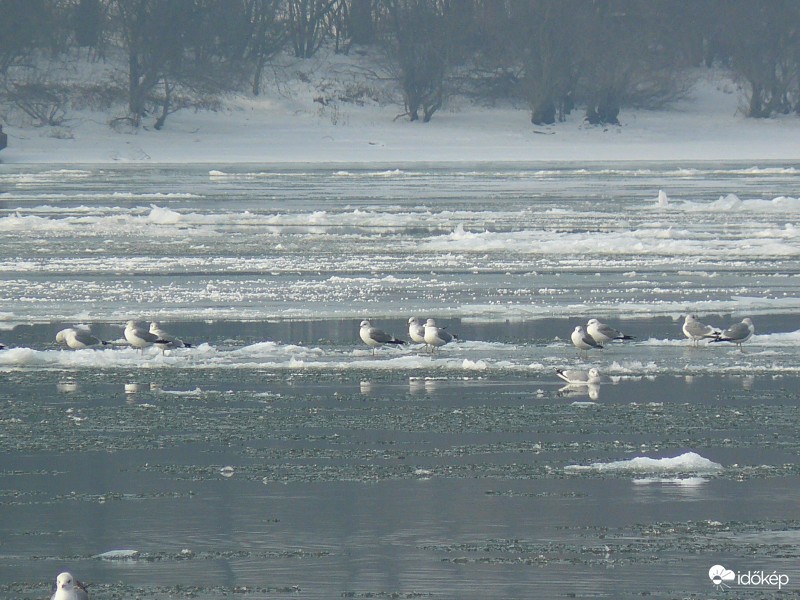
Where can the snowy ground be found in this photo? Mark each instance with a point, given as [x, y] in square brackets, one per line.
[288, 126]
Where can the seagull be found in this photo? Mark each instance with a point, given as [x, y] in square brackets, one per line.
[603, 333]
[416, 330]
[436, 336]
[78, 339]
[696, 331]
[171, 340]
[374, 337]
[578, 377]
[738, 333]
[69, 588]
[582, 340]
[140, 338]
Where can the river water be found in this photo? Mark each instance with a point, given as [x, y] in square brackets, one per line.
[278, 457]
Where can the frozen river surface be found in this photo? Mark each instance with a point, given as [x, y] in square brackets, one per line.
[279, 458]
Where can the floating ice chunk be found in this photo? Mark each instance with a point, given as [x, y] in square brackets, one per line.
[687, 482]
[474, 365]
[690, 462]
[118, 555]
[163, 216]
[23, 356]
[729, 202]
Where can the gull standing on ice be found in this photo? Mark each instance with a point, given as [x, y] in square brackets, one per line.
[738, 333]
[416, 330]
[374, 337]
[582, 340]
[69, 588]
[436, 336]
[578, 377]
[78, 339]
[603, 333]
[139, 337]
[171, 340]
[696, 331]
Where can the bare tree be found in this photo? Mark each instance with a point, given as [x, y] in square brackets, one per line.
[627, 57]
[308, 24]
[549, 39]
[150, 40]
[24, 25]
[267, 35]
[417, 29]
[762, 38]
[171, 61]
[88, 21]
[361, 21]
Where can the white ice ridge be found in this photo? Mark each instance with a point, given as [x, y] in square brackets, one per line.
[689, 462]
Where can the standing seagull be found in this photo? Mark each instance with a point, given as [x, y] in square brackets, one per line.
[436, 336]
[582, 340]
[78, 339]
[738, 333]
[141, 338]
[603, 333]
[374, 337]
[171, 340]
[696, 331]
[416, 330]
[69, 588]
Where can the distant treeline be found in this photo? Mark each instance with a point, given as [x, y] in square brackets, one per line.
[553, 56]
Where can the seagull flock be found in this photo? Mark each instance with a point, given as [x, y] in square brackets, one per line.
[592, 336]
[78, 338]
[596, 334]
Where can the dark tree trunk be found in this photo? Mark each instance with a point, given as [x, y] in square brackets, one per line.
[164, 107]
[605, 111]
[361, 26]
[544, 113]
[136, 98]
